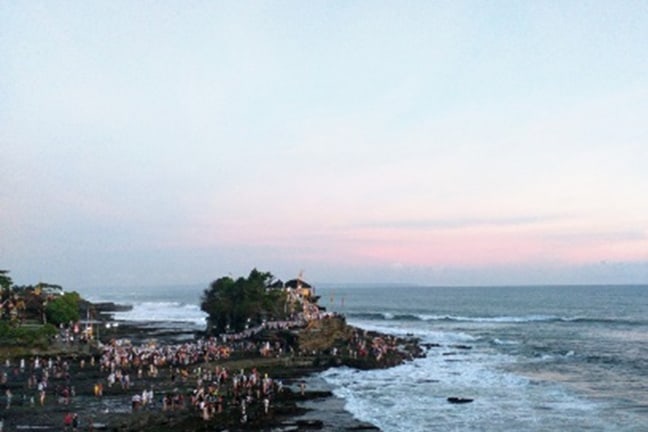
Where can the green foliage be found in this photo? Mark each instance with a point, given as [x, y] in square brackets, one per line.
[29, 336]
[5, 280]
[63, 309]
[234, 304]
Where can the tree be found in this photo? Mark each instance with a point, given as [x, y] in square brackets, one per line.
[63, 309]
[235, 304]
[5, 280]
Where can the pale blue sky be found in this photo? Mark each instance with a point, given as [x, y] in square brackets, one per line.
[430, 142]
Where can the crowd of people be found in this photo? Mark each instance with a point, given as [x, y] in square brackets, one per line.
[36, 373]
[216, 388]
[376, 347]
[128, 371]
[187, 376]
[173, 377]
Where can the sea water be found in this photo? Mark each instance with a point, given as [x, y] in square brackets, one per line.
[173, 306]
[570, 358]
[532, 358]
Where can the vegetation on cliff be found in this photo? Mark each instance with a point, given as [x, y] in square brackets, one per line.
[63, 309]
[5, 280]
[26, 336]
[234, 305]
[33, 304]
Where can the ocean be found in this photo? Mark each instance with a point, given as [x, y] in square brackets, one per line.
[532, 358]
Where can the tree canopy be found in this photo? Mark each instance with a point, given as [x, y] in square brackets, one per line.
[5, 280]
[63, 309]
[235, 304]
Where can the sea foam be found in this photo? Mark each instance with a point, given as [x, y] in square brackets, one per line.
[164, 312]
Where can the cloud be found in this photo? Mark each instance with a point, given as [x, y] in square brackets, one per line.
[458, 223]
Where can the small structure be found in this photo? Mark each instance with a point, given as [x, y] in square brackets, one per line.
[300, 287]
[49, 290]
[276, 285]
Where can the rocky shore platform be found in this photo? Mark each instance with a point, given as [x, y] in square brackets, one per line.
[304, 402]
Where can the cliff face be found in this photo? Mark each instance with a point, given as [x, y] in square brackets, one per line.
[325, 334]
[332, 341]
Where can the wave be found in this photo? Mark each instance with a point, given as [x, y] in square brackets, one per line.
[498, 341]
[371, 316]
[505, 319]
[427, 317]
[406, 398]
[586, 320]
[164, 312]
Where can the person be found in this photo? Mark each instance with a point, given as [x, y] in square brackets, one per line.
[136, 401]
[41, 393]
[75, 422]
[67, 421]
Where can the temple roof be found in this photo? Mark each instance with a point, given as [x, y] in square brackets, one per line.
[294, 283]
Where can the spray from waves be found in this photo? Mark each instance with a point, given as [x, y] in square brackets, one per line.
[413, 396]
[164, 312]
[377, 396]
[426, 334]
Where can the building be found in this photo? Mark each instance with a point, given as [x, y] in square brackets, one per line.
[300, 287]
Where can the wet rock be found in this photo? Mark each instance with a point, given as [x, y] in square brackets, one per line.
[459, 400]
[310, 424]
[363, 427]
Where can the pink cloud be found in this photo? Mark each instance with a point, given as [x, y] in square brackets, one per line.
[467, 243]
[493, 247]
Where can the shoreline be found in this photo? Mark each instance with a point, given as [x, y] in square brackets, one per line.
[315, 409]
[332, 410]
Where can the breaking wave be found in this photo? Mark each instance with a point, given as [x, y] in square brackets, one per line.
[164, 312]
[388, 316]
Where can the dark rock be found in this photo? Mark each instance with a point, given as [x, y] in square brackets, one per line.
[430, 345]
[111, 307]
[310, 424]
[363, 427]
[459, 400]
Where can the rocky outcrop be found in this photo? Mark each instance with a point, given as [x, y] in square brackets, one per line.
[331, 341]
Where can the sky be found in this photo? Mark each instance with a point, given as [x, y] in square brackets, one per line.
[429, 142]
